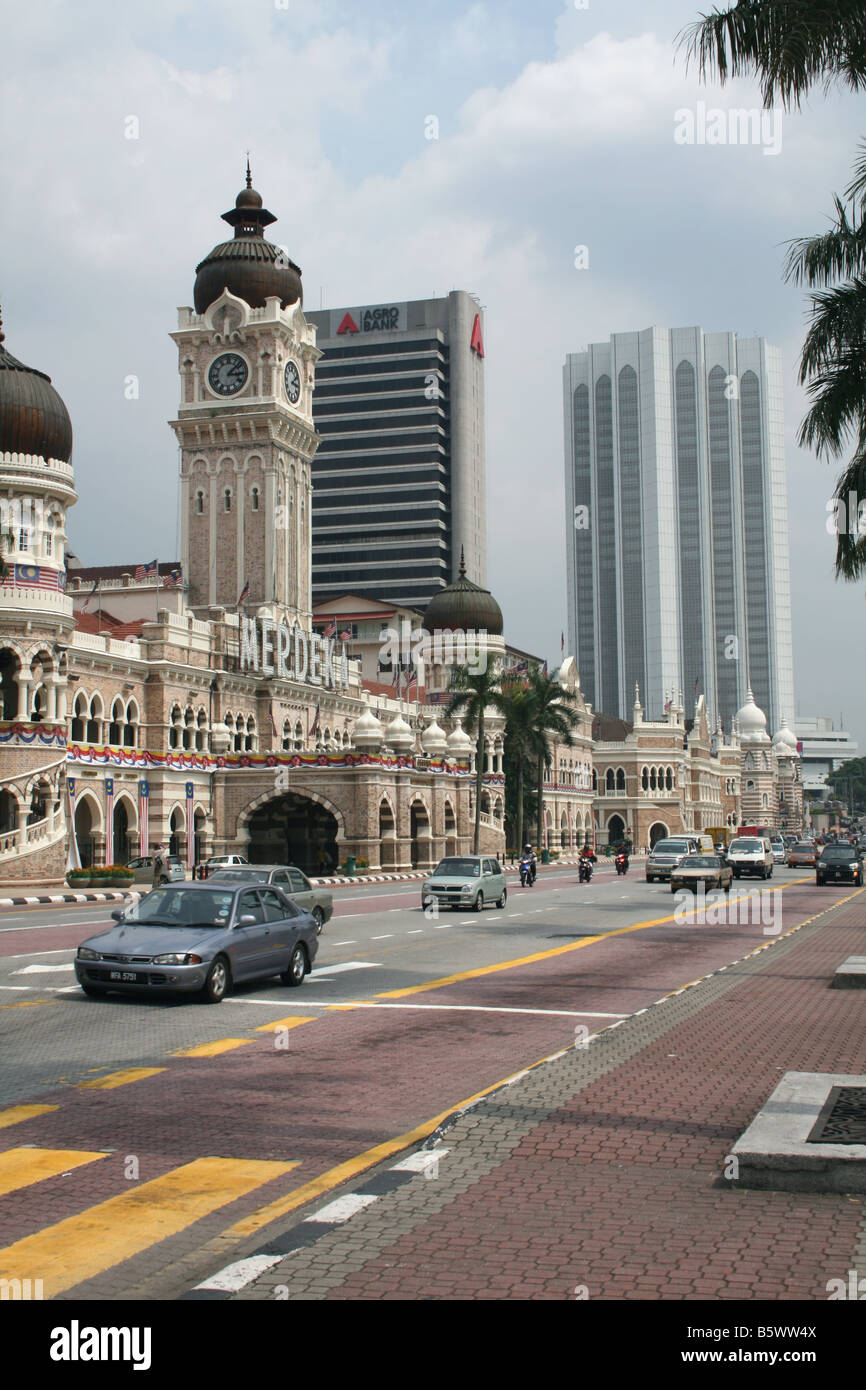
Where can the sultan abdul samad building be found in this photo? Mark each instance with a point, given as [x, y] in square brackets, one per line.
[225, 722]
[229, 724]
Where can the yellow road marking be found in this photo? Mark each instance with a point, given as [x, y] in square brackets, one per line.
[446, 980]
[85, 1245]
[21, 1167]
[282, 1023]
[16, 1114]
[28, 1003]
[211, 1049]
[121, 1078]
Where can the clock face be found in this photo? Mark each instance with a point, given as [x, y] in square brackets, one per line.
[227, 374]
[293, 382]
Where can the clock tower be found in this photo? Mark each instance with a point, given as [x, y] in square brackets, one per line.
[245, 425]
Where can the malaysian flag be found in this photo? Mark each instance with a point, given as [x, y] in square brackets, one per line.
[145, 571]
[174, 578]
[36, 577]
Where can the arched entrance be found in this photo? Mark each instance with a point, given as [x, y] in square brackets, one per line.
[293, 829]
[177, 826]
[420, 833]
[615, 830]
[9, 668]
[200, 824]
[387, 836]
[86, 827]
[657, 832]
[121, 833]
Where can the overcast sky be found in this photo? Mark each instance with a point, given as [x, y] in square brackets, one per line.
[556, 129]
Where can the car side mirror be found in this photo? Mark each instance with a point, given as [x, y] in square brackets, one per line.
[117, 914]
[248, 920]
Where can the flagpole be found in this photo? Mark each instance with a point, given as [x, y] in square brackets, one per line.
[156, 600]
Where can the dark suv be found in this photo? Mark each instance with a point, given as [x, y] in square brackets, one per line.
[839, 864]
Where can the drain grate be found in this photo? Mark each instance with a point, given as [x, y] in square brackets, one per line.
[843, 1117]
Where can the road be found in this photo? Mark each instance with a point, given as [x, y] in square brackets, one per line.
[150, 1142]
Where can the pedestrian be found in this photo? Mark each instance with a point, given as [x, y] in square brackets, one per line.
[160, 865]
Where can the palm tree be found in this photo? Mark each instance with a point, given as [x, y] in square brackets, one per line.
[833, 360]
[790, 44]
[518, 744]
[553, 719]
[473, 695]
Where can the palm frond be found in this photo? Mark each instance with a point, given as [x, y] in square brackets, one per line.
[839, 253]
[788, 44]
[850, 545]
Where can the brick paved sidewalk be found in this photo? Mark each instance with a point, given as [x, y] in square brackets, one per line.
[600, 1173]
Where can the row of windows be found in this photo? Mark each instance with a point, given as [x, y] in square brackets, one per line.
[370, 349]
[200, 500]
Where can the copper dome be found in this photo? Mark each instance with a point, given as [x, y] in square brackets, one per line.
[463, 607]
[33, 418]
[248, 265]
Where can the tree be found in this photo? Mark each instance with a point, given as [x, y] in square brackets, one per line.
[849, 782]
[791, 45]
[518, 751]
[472, 696]
[553, 719]
[833, 360]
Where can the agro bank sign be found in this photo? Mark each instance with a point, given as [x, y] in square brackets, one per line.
[291, 654]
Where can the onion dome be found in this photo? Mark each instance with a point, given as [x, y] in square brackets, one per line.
[459, 743]
[367, 732]
[785, 741]
[751, 721]
[463, 607]
[398, 735]
[33, 418]
[248, 266]
[433, 739]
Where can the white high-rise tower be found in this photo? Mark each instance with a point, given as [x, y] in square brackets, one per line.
[678, 570]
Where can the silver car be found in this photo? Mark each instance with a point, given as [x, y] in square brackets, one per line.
[319, 902]
[142, 869]
[666, 854]
[467, 881]
[199, 938]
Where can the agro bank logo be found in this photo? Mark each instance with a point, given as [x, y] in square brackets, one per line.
[293, 655]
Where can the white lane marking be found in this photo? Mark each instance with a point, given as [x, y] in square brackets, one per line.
[440, 926]
[43, 969]
[28, 955]
[420, 1161]
[386, 937]
[418, 931]
[28, 989]
[241, 1273]
[340, 969]
[484, 1009]
[342, 1208]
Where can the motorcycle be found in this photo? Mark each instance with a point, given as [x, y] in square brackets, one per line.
[621, 863]
[584, 871]
[527, 873]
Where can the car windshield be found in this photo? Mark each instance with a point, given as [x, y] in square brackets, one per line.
[174, 907]
[750, 846]
[841, 852]
[461, 868]
[700, 861]
[801, 849]
[670, 846]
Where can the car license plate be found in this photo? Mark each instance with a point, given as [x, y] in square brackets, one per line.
[126, 977]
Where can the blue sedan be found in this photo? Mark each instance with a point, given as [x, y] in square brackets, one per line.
[200, 938]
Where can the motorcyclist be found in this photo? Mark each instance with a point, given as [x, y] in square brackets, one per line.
[529, 853]
[586, 862]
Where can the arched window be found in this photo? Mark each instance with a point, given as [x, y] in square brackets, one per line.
[79, 718]
[130, 727]
[201, 731]
[94, 722]
[250, 740]
[115, 734]
[188, 727]
[669, 779]
[176, 727]
[227, 499]
[653, 779]
[610, 783]
[620, 780]
[644, 779]
[254, 498]
[199, 503]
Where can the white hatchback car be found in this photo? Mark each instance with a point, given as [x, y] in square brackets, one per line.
[751, 854]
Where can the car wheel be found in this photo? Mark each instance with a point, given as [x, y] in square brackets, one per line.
[319, 919]
[500, 902]
[673, 888]
[216, 985]
[478, 904]
[770, 874]
[297, 971]
[650, 878]
[93, 991]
